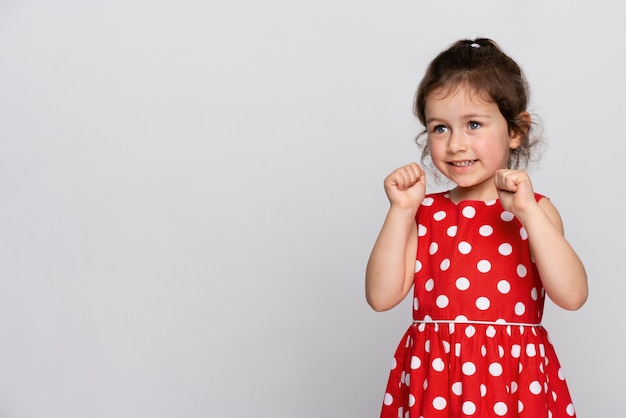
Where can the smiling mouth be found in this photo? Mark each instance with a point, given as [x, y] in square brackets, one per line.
[465, 163]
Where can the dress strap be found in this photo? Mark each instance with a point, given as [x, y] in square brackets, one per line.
[452, 321]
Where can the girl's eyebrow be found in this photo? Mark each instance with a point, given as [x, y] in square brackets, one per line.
[467, 116]
[431, 120]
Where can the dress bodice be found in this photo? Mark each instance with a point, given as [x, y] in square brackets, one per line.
[474, 263]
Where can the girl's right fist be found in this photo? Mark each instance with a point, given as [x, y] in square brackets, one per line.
[406, 186]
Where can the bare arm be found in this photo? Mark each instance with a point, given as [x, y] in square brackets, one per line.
[391, 266]
[562, 272]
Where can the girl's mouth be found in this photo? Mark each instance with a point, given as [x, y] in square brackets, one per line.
[465, 163]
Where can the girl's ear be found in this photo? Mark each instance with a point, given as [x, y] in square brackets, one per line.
[521, 131]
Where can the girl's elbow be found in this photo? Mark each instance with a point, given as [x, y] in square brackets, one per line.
[576, 301]
[378, 304]
[382, 301]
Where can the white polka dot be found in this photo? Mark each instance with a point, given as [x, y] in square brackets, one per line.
[411, 400]
[469, 212]
[457, 388]
[520, 308]
[485, 230]
[531, 350]
[500, 409]
[561, 375]
[516, 350]
[520, 406]
[469, 408]
[415, 362]
[470, 331]
[438, 365]
[533, 293]
[570, 410]
[418, 265]
[521, 271]
[504, 287]
[446, 346]
[388, 399]
[433, 248]
[457, 349]
[513, 387]
[427, 346]
[416, 304]
[421, 230]
[505, 249]
[495, 369]
[535, 388]
[462, 283]
[407, 379]
[428, 201]
[442, 301]
[491, 331]
[452, 231]
[507, 216]
[468, 368]
[394, 363]
[439, 403]
[464, 247]
[483, 390]
[483, 266]
[523, 234]
[483, 303]
[445, 264]
[461, 318]
[429, 285]
[439, 215]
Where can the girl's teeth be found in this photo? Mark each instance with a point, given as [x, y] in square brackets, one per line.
[462, 163]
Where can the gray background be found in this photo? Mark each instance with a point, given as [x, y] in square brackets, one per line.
[189, 192]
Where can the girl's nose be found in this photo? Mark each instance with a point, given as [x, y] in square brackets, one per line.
[456, 142]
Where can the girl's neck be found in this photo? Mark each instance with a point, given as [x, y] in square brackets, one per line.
[460, 194]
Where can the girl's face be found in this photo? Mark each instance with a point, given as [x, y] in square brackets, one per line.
[469, 140]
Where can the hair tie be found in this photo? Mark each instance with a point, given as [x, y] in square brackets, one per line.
[475, 45]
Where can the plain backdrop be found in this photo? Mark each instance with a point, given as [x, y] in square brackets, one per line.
[189, 191]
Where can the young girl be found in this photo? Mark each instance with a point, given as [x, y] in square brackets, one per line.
[480, 258]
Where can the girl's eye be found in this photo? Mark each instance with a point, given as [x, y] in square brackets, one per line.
[474, 125]
[440, 129]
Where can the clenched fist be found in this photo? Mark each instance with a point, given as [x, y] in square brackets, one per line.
[406, 186]
[515, 190]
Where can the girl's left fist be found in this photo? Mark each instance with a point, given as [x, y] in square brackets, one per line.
[515, 190]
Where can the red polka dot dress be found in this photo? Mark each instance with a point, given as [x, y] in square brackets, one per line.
[476, 347]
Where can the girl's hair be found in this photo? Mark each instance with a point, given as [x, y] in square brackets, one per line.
[481, 65]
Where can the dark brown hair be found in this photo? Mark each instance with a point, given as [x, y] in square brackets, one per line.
[492, 75]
